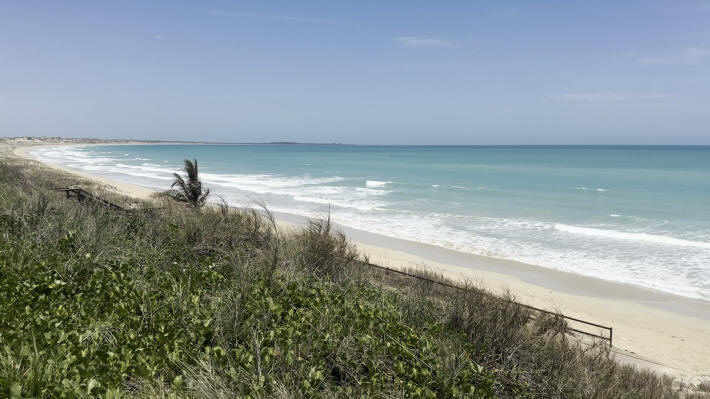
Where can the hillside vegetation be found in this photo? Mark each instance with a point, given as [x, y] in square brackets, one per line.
[179, 302]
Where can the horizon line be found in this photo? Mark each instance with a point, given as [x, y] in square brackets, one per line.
[288, 142]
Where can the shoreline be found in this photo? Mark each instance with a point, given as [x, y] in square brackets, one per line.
[130, 190]
[664, 328]
[556, 280]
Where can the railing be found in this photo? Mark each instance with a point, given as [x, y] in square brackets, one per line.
[566, 318]
[81, 195]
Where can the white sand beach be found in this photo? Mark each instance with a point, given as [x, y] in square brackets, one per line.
[660, 331]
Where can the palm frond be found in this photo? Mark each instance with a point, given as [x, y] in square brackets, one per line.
[177, 195]
[179, 182]
[191, 170]
[203, 197]
[189, 189]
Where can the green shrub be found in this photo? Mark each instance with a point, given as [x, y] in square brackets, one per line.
[220, 304]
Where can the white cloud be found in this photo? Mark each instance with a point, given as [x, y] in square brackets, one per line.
[157, 37]
[417, 41]
[274, 17]
[693, 53]
[607, 96]
[687, 56]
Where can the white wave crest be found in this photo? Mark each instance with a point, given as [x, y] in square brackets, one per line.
[622, 235]
[376, 183]
[266, 181]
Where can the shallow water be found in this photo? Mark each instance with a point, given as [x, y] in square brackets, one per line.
[638, 215]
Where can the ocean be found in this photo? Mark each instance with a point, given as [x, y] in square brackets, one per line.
[632, 214]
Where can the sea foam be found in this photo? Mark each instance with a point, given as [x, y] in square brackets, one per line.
[639, 237]
[566, 218]
[376, 183]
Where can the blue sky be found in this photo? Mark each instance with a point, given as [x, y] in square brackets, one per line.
[380, 72]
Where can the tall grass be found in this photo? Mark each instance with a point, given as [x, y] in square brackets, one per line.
[220, 303]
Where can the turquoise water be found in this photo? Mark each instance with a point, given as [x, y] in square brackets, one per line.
[639, 215]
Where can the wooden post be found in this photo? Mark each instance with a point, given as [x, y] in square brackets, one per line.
[611, 335]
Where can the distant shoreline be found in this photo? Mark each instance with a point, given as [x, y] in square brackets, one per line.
[79, 141]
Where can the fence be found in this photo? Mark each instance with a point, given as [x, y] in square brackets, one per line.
[82, 195]
[568, 319]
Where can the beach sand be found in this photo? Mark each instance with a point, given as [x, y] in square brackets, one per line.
[651, 329]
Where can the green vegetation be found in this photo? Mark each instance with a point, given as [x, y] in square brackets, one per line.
[221, 303]
[189, 190]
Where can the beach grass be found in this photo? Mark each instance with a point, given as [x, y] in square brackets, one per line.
[179, 302]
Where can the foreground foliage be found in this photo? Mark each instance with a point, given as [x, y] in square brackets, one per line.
[220, 303]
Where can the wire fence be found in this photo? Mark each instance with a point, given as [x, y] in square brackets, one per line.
[570, 320]
[82, 195]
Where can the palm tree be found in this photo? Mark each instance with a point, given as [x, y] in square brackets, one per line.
[189, 190]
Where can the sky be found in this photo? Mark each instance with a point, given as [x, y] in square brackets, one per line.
[362, 72]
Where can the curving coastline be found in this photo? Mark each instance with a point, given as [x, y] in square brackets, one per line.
[665, 328]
